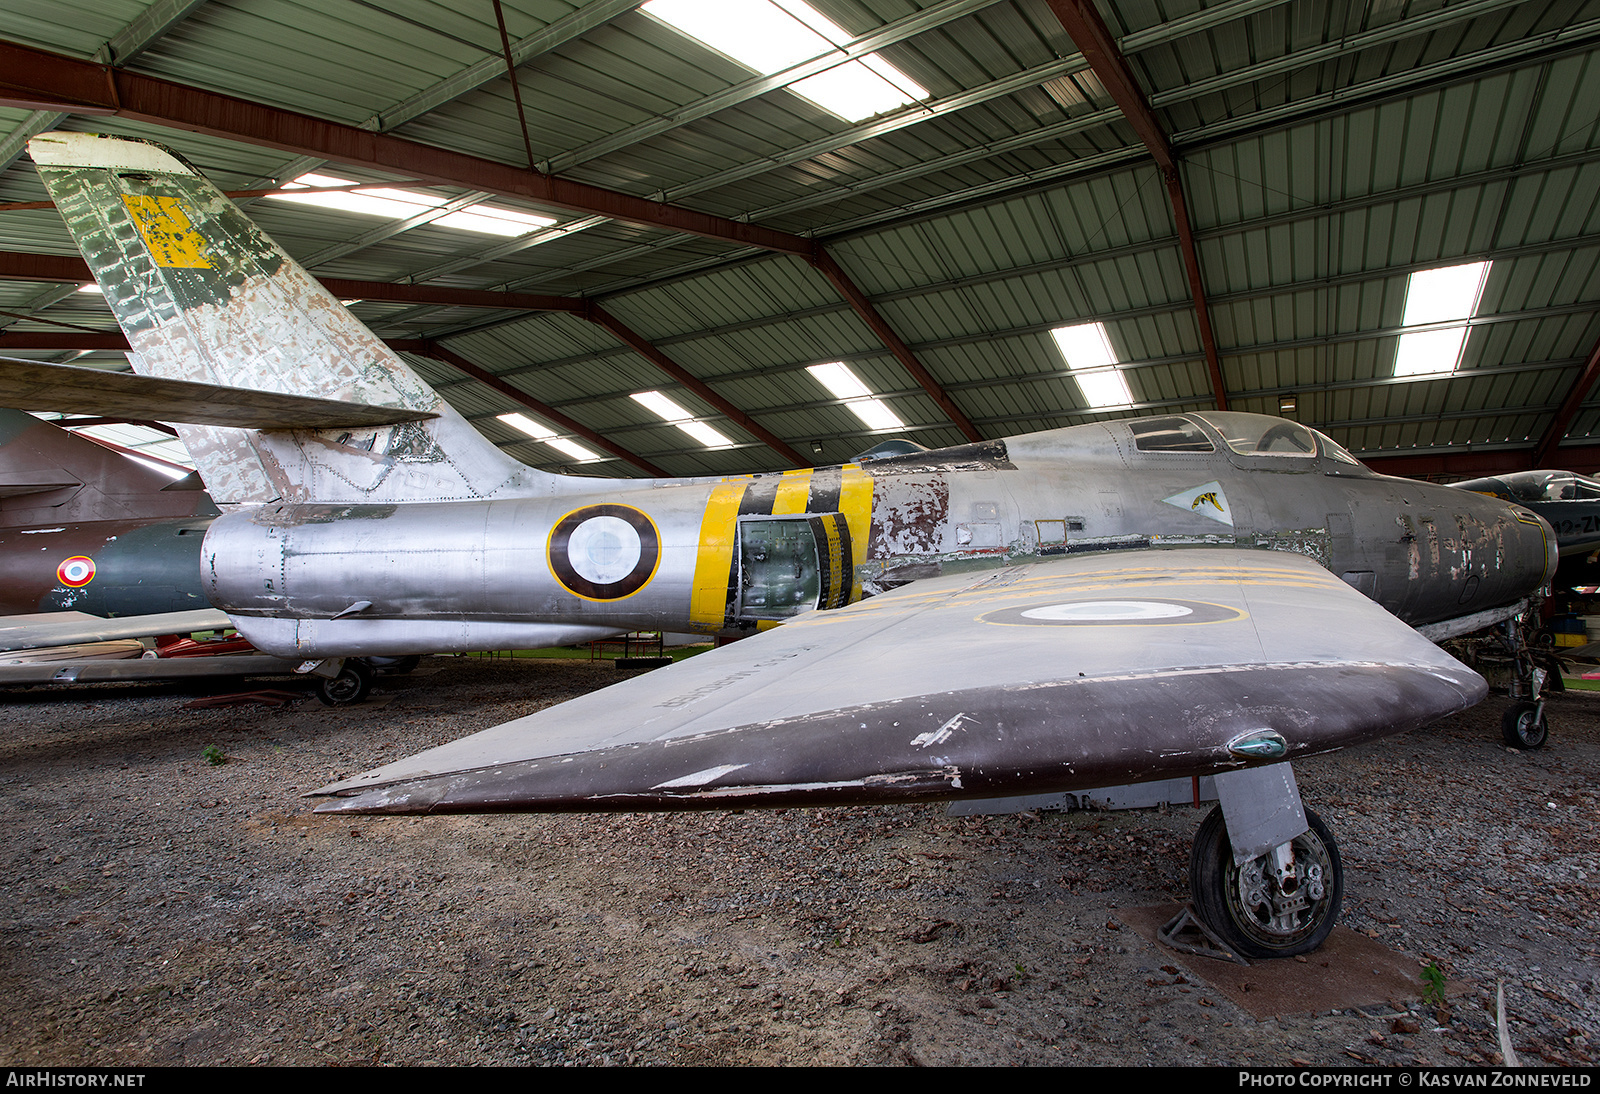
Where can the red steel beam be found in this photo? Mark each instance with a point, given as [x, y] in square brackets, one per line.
[34, 267]
[1584, 459]
[639, 345]
[549, 413]
[21, 266]
[1093, 39]
[858, 301]
[159, 427]
[34, 79]
[63, 340]
[1546, 449]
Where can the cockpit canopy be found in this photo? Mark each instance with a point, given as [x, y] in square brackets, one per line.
[1243, 434]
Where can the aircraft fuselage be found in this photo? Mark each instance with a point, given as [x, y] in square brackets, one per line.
[731, 556]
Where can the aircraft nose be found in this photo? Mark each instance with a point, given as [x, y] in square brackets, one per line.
[1539, 547]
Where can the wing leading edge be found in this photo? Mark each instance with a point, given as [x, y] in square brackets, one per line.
[1065, 674]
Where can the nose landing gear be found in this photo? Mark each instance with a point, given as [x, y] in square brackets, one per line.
[1524, 724]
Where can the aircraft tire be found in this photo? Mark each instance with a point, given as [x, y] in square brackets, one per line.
[1235, 901]
[1525, 726]
[352, 685]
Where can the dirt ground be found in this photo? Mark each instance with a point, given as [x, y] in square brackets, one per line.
[160, 909]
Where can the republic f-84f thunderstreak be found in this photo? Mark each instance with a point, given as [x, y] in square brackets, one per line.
[1210, 593]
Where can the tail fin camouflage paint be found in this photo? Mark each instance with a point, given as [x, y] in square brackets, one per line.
[204, 295]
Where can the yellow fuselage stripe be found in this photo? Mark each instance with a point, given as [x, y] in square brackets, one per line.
[708, 596]
[855, 502]
[793, 492]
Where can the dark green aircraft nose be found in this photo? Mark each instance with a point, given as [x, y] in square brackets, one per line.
[1539, 554]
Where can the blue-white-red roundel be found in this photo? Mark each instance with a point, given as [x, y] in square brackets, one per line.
[76, 571]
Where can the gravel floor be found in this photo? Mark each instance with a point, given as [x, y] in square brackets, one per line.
[161, 909]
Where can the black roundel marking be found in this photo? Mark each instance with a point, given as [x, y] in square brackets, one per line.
[632, 582]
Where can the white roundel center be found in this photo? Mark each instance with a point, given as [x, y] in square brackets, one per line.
[1108, 610]
[604, 550]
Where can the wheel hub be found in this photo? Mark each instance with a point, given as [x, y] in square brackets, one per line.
[1278, 893]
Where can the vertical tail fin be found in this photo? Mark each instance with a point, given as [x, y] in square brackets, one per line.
[204, 295]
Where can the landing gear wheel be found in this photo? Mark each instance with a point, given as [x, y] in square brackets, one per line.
[352, 685]
[1254, 911]
[1525, 725]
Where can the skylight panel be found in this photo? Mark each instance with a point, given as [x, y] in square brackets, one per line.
[491, 221]
[772, 35]
[525, 424]
[673, 414]
[392, 204]
[572, 448]
[1088, 353]
[167, 454]
[379, 201]
[857, 397]
[1438, 296]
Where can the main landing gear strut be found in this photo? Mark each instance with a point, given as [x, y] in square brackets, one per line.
[1264, 873]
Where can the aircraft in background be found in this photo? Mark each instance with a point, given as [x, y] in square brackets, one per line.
[89, 529]
[1208, 593]
[99, 549]
[1569, 502]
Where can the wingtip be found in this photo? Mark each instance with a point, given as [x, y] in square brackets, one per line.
[401, 798]
[61, 149]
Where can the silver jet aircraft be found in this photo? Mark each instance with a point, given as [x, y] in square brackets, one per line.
[1212, 593]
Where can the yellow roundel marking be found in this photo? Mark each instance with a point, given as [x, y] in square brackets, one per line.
[604, 552]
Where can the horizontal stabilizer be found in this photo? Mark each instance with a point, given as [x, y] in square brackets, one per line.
[30, 385]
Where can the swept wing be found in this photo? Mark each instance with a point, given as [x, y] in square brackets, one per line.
[1070, 673]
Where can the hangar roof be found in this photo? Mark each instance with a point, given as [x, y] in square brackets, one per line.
[1239, 191]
